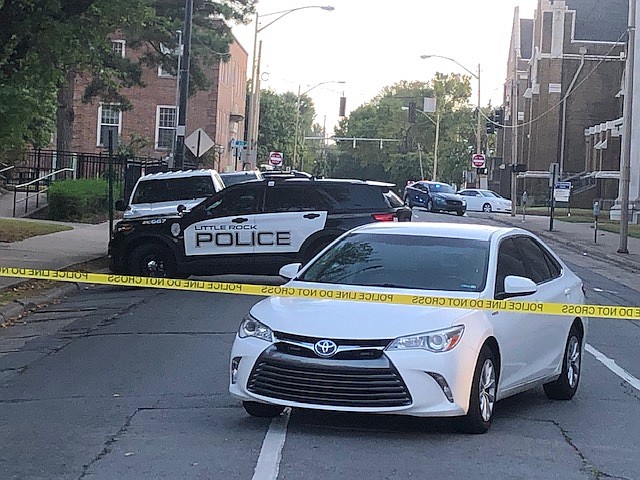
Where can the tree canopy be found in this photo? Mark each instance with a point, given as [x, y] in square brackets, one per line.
[398, 158]
[45, 43]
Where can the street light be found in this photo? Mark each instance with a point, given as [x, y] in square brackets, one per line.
[254, 98]
[297, 127]
[477, 77]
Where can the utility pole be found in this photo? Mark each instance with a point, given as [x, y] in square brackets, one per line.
[184, 86]
[514, 138]
[625, 158]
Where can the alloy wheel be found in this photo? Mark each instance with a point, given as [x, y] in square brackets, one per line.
[487, 390]
[573, 361]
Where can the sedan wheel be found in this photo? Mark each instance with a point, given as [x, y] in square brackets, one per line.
[429, 205]
[486, 208]
[565, 387]
[483, 394]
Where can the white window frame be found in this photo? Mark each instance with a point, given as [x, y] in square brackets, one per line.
[157, 130]
[99, 122]
[121, 42]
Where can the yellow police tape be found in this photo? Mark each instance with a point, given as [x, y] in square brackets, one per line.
[601, 311]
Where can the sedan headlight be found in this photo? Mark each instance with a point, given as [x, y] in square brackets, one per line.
[438, 341]
[439, 199]
[250, 327]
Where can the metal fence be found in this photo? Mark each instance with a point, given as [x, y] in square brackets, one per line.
[39, 168]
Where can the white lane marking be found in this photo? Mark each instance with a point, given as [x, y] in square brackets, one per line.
[613, 366]
[268, 464]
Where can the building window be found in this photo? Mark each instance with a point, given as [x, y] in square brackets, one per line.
[165, 127]
[109, 120]
[118, 47]
[161, 71]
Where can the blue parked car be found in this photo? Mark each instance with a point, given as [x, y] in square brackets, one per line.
[435, 197]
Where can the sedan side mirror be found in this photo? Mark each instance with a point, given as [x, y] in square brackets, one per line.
[515, 286]
[120, 205]
[289, 271]
[181, 208]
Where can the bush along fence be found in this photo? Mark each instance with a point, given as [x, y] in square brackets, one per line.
[39, 169]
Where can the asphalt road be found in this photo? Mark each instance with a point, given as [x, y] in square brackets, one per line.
[118, 383]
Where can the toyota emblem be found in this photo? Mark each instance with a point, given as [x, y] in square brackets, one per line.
[325, 348]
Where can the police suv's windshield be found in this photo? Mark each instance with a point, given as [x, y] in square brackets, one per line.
[173, 189]
[403, 261]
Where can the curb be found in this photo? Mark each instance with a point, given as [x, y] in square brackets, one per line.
[19, 307]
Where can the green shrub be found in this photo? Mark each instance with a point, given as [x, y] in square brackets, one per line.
[77, 200]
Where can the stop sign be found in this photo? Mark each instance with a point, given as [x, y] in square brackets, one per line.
[275, 158]
[478, 160]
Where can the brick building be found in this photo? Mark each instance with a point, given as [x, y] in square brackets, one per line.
[219, 111]
[565, 84]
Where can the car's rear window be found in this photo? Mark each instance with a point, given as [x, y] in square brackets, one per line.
[173, 189]
[357, 197]
[403, 261]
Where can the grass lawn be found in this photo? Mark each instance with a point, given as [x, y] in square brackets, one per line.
[579, 215]
[14, 230]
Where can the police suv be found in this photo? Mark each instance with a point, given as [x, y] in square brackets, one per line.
[251, 228]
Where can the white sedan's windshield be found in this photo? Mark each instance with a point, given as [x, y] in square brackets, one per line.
[403, 261]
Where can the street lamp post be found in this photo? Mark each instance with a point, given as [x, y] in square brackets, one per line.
[297, 126]
[477, 77]
[254, 97]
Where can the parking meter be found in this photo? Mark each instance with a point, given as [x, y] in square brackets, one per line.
[596, 212]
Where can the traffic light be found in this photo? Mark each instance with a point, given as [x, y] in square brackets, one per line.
[498, 117]
[412, 112]
[491, 127]
[343, 107]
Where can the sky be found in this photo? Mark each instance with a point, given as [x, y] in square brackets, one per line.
[371, 44]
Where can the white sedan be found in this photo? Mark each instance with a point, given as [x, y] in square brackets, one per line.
[479, 200]
[350, 356]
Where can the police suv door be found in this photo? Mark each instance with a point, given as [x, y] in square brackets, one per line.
[223, 237]
[292, 213]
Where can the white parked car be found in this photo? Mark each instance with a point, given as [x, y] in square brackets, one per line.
[479, 200]
[161, 193]
[410, 359]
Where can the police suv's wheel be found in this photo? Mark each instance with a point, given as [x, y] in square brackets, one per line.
[264, 410]
[152, 261]
[486, 208]
[565, 387]
[483, 394]
[460, 213]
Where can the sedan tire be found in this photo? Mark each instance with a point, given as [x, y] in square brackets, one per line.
[565, 387]
[262, 410]
[486, 208]
[483, 394]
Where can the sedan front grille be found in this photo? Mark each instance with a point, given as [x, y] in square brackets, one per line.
[357, 383]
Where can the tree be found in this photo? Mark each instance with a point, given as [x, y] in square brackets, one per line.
[278, 124]
[46, 44]
[385, 118]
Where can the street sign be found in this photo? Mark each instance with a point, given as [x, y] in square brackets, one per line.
[275, 158]
[562, 191]
[478, 160]
[199, 142]
[238, 143]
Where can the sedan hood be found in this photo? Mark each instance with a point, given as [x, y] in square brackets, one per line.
[348, 319]
[448, 196]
